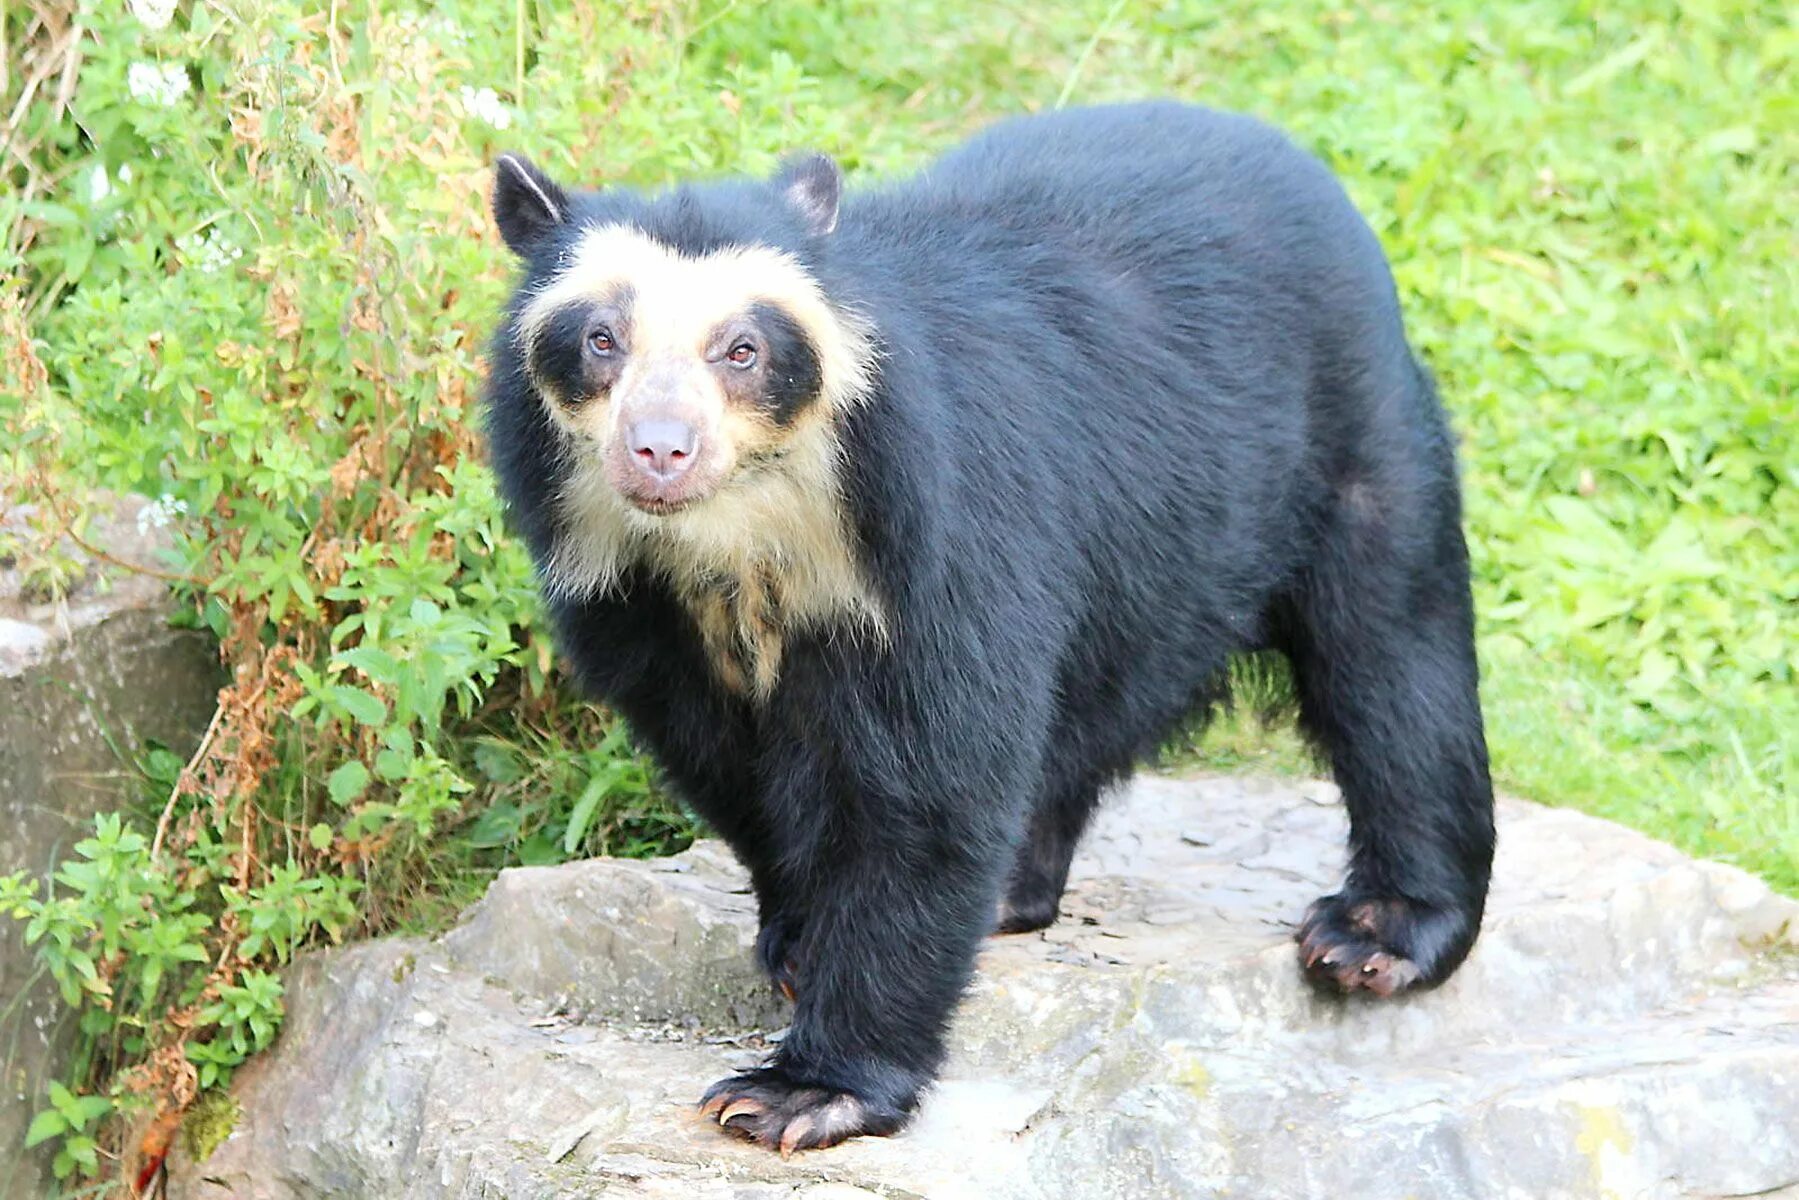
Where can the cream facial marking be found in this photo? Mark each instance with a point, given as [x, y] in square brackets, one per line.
[679, 301]
[751, 534]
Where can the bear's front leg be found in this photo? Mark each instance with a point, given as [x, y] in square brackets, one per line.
[897, 903]
[776, 946]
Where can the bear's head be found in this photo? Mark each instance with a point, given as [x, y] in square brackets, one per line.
[680, 342]
[695, 373]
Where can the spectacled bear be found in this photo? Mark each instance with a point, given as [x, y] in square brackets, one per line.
[899, 524]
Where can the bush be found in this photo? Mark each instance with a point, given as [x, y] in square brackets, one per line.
[248, 268]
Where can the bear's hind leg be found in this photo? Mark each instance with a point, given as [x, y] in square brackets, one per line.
[1382, 647]
[1033, 895]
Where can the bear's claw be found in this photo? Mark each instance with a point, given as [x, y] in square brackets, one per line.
[1366, 944]
[765, 1107]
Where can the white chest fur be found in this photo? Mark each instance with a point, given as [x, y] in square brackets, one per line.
[770, 555]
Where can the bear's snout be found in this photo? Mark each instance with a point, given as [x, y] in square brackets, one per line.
[663, 449]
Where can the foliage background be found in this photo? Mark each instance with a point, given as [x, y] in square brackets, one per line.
[248, 269]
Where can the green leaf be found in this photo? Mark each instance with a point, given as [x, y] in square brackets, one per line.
[320, 836]
[152, 977]
[365, 708]
[347, 782]
[84, 1150]
[497, 763]
[497, 826]
[1737, 139]
[44, 1126]
[51, 213]
[1614, 64]
[539, 851]
[582, 813]
[86, 1108]
[392, 765]
[377, 664]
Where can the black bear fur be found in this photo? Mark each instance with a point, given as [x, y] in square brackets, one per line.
[1142, 402]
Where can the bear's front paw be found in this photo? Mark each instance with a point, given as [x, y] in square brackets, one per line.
[772, 1110]
[1354, 941]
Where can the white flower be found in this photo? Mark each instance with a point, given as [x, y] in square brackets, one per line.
[153, 13]
[161, 84]
[99, 187]
[160, 512]
[208, 253]
[486, 105]
[445, 31]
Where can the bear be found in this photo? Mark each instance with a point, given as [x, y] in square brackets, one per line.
[899, 524]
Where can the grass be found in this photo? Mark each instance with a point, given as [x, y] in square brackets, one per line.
[1584, 212]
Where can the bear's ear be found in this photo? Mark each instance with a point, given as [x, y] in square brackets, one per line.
[526, 205]
[811, 185]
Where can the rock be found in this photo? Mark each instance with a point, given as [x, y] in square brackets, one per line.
[1614, 1034]
[605, 933]
[83, 681]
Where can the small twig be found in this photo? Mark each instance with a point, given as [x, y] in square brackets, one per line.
[1080, 64]
[168, 810]
[243, 211]
[18, 113]
[226, 953]
[36, 80]
[246, 864]
[68, 530]
[18, 233]
[126, 564]
[709, 22]
[65, 87]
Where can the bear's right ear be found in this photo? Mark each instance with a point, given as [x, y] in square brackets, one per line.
[526, 205]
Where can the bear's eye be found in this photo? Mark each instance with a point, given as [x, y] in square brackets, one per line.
[742, 355]
[600, 342]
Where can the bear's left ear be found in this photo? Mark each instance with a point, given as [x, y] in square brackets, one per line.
[812, 184]
[526, 205]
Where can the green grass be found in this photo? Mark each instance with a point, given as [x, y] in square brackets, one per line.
[1589, 216]
[1589, 219]
[266, 298]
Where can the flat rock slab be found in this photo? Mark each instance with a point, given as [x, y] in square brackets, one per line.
[1628, 1026]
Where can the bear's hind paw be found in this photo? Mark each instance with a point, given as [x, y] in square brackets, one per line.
[1379, 944]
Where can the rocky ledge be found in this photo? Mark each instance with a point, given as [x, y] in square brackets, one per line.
[88, 679]
[1627, 1027]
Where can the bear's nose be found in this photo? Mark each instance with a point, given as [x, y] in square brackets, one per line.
[663, 449]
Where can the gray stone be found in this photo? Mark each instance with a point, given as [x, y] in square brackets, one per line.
[1628, 1026]
[84, 681]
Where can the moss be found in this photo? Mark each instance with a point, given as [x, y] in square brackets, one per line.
[1190, 1073]
[208, 1123]
[1605, 1143]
